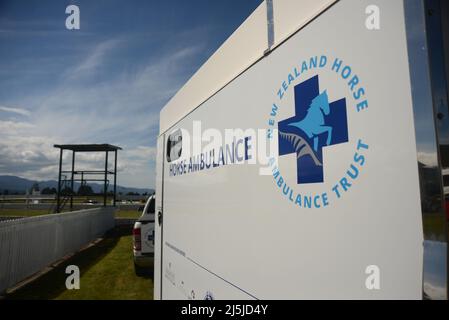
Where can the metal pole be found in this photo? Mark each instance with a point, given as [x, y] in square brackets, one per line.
[105, 179]
[58, 198]
[270, 25]
[71, 184]
[115, 178]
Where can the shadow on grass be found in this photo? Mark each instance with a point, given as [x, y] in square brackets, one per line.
[52, 284]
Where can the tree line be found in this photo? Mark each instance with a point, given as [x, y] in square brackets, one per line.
[83, 190]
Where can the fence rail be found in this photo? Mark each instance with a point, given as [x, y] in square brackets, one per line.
[30, 244]
[76, 206]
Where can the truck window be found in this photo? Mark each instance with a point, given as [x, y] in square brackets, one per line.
[151, 206]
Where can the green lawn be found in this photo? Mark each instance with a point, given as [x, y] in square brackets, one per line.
[22, 212]
[128, 214]
[107, 272]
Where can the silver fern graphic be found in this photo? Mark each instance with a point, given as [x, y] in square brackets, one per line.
[301, 146]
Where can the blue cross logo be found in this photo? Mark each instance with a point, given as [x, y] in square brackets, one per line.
[316, 124]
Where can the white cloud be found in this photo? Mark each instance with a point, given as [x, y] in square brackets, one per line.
[27, 156]
[428, 158]
[436, 292]
[121, 110]
[141, 152]
[9, 127]
[20, 111]
[93, 60]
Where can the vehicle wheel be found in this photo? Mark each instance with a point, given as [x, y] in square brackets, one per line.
[139, 270]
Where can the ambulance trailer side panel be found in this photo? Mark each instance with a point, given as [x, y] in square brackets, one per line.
[334, 211]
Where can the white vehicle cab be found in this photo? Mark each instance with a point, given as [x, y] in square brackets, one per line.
[143, 239]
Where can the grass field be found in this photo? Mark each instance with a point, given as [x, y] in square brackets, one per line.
[107, 272]
[21, 212]
[128, 214]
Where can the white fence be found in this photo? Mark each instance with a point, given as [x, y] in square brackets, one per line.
[30, 244]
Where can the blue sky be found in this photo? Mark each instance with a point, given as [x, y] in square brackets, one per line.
[104, 83]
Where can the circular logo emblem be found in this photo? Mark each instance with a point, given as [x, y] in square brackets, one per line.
[321, 110]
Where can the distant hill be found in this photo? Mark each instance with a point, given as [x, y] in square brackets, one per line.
[16, 184]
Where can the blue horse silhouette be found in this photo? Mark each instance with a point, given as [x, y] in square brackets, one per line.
[313, 123]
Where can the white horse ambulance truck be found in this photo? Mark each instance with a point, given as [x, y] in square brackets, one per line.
[306, 158]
